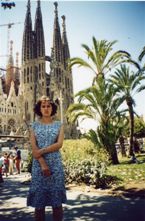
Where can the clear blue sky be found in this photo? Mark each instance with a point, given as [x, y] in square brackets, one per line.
[122, 21]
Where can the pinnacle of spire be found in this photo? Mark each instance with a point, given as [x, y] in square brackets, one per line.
[39, 47]
[28, 13]
[38, 3]
[38, 10]
[27, 49]
[57, 42]
[63, 24]
[28, 5]
[10, 60]
[66, 53]
[56, 5]
[56, 16]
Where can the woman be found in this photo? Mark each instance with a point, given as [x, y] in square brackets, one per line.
[47, 186]
[17, 159]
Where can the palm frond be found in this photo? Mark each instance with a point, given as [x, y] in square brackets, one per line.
[142, 54]
[141, 88]
[92, 135]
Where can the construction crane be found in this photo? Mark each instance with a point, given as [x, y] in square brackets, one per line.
[2, 70]
[9, 25]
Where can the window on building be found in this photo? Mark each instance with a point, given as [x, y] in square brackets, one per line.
[28, 75]
[24, 75]
[31, 72]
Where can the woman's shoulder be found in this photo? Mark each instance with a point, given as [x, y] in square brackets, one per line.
[33, 124]
[58, 123]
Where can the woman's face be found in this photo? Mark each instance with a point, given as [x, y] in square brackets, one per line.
[46, 108]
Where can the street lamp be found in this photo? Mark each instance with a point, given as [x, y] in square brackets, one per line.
[61, 105]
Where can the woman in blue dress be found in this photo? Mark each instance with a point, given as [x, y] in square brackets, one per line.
[47, 186]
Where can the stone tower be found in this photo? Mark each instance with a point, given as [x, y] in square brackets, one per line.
[10, 70]
[61, 83]
[33, 77]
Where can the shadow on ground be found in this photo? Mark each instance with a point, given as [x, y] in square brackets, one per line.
[80, 206]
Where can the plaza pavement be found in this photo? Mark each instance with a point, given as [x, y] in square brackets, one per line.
[81, 205]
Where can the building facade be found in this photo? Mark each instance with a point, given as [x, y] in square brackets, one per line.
[20, 88]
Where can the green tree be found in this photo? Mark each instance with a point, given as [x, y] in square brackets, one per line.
[127, 83]
[101, 59]
[98, 102]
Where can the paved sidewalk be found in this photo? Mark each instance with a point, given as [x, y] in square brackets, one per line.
[81, 206]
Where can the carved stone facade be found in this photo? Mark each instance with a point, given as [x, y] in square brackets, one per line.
[19, 90]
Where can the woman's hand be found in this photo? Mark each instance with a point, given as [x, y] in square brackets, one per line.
[45, 170]
[36, 153]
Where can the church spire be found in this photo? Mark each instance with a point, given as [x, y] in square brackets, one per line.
[39, 48]
[27, 44]
[10, 70]
[17, 74]
[66, 53]
[10, 60]
[57, 43]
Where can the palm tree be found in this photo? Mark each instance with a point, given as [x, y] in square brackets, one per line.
[98, 102]
[100, 60]
[127, 84]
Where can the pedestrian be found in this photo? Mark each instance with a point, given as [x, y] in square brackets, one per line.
[6, 164]
[47, 186]
[17, 159]
[11, 164]
[1, 166]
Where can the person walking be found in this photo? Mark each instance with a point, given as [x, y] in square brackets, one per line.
[17, 159]
[11, 164]
[47, 186]
[6, 163]
[1, 166]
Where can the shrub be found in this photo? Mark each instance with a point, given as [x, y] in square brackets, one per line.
[29, 162]
[74, 150]
[85, 171]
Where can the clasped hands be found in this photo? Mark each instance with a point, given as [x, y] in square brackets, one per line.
[37, 153]
[45, 170]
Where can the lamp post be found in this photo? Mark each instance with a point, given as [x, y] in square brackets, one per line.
[61, 105]
[35, 85]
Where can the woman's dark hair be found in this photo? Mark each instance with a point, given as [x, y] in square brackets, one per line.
[38, 106]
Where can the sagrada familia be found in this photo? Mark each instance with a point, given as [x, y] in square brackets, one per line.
[21, 87]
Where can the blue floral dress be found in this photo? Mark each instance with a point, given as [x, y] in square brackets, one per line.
[47, 191]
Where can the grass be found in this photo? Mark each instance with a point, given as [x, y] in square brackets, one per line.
[129, 173]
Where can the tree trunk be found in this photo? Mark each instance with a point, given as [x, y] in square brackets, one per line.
[131, 115]
[113, 155]
[122, 146]
[136, 146]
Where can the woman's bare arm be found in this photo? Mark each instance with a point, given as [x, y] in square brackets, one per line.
[37, 155]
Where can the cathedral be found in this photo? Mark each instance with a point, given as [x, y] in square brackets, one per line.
[21, 87]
